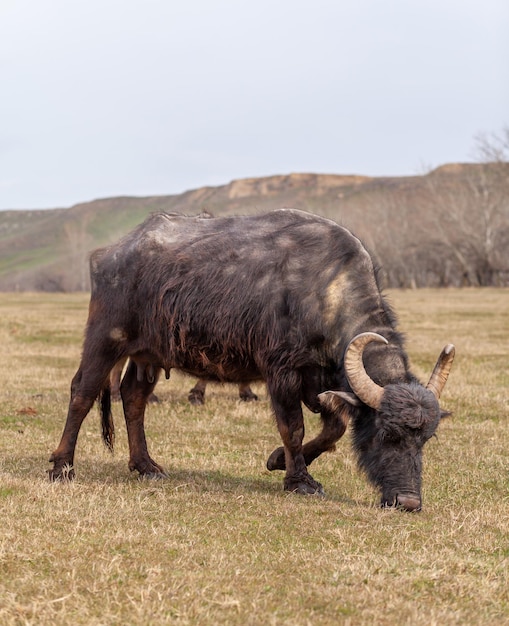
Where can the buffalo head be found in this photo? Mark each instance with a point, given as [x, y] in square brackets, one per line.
[392, 423]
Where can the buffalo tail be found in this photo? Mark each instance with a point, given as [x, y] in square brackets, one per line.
[108, 428]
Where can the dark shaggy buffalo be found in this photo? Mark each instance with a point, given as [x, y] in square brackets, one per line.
[196, 394]
[288, 298]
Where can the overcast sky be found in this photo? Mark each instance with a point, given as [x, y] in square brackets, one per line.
[102, 98]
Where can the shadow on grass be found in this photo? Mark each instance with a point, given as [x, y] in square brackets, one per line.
[192, 480]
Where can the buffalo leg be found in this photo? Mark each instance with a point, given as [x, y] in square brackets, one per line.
[135, 394]
[246, 393]
[85, 388]
[334, 423]
[197, 394]
[290, 422]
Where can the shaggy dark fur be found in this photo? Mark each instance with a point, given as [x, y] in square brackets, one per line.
[273, 297]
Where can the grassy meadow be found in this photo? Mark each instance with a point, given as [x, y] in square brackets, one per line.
[219, 542]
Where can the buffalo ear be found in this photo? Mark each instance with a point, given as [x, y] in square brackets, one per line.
[445, 414]
[335, 400]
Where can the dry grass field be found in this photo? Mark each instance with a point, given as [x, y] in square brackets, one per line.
[219, 542]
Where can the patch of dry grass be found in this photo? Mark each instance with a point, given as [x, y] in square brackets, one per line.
[219, 542]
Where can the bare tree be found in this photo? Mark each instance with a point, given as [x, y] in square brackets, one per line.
[470, 218]
[492, 148]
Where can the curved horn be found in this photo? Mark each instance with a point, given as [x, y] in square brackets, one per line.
[441, 371]
[362, 385]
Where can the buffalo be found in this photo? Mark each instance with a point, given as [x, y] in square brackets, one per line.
[286, 297]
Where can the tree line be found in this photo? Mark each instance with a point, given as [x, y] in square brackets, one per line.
[449, 234]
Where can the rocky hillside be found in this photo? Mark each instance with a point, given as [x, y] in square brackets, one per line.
[48, 250]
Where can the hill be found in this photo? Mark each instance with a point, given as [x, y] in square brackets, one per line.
[397, 217]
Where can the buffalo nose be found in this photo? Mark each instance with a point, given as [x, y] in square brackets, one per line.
[409, 502]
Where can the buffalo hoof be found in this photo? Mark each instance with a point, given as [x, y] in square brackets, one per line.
[62, 474]
[248, 396]
[147, 468]
[305, 485]
[196, 399]
[276, 460]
